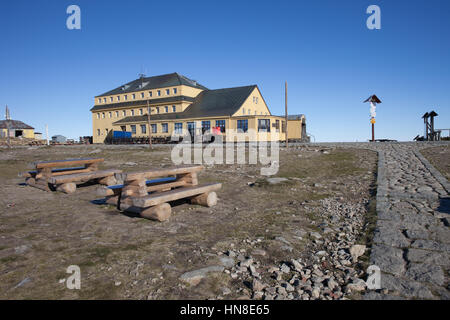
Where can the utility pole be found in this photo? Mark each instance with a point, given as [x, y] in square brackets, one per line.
[8, 118]
[286, 112]
[148, 114]
[46, 134]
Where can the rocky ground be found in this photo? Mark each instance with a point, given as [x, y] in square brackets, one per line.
[309, 232]
[264, 237]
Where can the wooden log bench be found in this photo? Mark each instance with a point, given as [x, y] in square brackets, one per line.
[148, 193]
[62, 176]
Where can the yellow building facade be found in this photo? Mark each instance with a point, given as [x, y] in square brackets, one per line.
[179, 105]
[17, 129]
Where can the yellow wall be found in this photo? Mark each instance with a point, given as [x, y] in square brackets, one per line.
[26, 133]
[181, 90]
[230, 124]
[294, 129]
[255, 104]
[103, 119]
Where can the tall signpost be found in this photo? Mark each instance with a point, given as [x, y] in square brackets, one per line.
[373, 99]
[286, 113]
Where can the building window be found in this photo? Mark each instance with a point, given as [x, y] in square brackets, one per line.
[133, 96]
[178, 128]
[124, 112]
[154, 128]
[242, 125]
[158, 93]
[277, 125]
[243, 111]
[167, 92]
[174, 109]
[143, 129]
[221, 125]
[104, 100]
[141, 112]
[206, 126]
[111, 99]
[132, 112]
[98, 115]
[150, 94]
[118, 98]
[125, 97]
[117, 114]
[263, 125]
[256, 100]
[166, 108]
[142, 95]
[283, 126]
[165, 127]
[157, 109]
[103, 115]
[110, 114]
[106, 131]
[133, 129]
[99, 100]
[98, 132]
[174, 90]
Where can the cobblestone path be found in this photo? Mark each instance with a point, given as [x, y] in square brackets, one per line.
[412, 238]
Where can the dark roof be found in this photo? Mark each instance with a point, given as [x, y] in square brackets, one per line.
[209, 103]
[373, 98]
[168, 100]
[162, 81]
[14, 124]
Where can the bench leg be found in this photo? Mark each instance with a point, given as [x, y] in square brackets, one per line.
[108, 181]
[161, 212]
[38, 183]
[67, 187]
[208, 199]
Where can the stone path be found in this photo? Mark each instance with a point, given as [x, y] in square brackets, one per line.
[412, 238]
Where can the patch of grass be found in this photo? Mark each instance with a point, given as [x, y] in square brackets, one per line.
[10, 259]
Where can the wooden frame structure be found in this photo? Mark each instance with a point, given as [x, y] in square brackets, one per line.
[61, 175]
[150, 198]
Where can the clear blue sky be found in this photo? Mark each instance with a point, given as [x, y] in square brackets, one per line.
[332, 62]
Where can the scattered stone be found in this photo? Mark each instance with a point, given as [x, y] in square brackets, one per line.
[257, 285]
[194, 277]
[357, 250]
[276, 180]
[227, 262]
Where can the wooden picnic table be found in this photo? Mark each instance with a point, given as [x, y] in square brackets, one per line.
[150, 198]
[64, 174]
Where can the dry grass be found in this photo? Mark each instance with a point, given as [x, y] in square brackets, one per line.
[147, 257]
